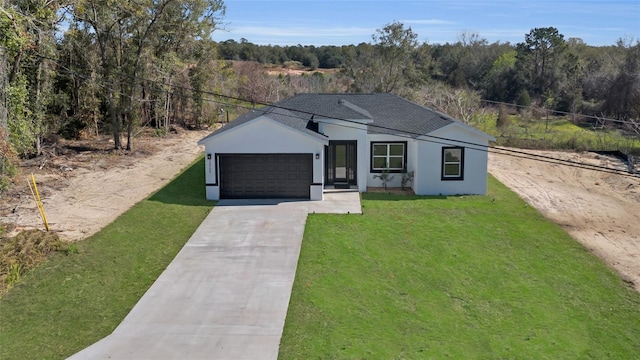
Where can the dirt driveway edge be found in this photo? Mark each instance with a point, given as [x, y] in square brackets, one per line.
[600, 210]
[81, 203]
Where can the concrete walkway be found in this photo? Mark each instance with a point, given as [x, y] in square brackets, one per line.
[226, 294]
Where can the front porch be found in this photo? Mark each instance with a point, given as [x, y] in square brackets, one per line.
[341, 163]
[340, 188]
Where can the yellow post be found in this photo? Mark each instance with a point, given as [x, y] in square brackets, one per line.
[36, 198]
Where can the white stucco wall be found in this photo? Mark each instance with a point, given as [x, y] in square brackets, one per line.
[263, 136]
[428, 177]
[412, 159]
[424, 155]
[341, 130]
[412, 162]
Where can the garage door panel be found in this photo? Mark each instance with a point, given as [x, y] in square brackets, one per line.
[266, 175]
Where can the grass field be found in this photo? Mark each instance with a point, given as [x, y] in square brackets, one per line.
[70, 302]
[557, 134]
[458, 277]
[413, 277]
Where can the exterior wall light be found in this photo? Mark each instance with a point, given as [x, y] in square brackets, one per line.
[317, 156]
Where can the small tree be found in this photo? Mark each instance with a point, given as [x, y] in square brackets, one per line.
[549, 103]
[503, 118]
[407, 180]
[524, 99]
[385, 177]
[8, 167]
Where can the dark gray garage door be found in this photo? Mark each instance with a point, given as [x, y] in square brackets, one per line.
[260, 176]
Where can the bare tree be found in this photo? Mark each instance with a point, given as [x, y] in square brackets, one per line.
[253, 82]
[461, 104]
[388, 64]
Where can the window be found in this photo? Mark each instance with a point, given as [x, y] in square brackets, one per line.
[452, 163]
[391, 156]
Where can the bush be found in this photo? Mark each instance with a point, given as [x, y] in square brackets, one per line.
[524, 99]
[26, 250]
[407, 180]
[294, 65]
[72, 128]
[385, 177]
[503, 118]
[160, 132]
[8, 166]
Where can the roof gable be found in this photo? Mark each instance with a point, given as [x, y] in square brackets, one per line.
[467, 128]
[384, 113]
[297, 121]
[330, 106]
[391, 114]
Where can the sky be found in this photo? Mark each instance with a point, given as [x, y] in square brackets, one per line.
[344, 22]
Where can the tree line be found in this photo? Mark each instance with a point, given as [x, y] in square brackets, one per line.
[70, 66]
[557, 73]
[85, 67]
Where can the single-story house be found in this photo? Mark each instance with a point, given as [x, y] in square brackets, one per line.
[300, 146]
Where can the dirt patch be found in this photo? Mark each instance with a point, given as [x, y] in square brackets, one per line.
[274, 71]
[85, 185]
[394, 190]
[598, 209]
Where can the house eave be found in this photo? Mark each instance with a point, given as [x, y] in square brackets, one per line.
[336, 121]
[465, 127]
[323, 139]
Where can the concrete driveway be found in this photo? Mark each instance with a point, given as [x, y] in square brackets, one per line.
[226, 294]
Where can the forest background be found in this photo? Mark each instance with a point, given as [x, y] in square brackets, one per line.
[80, 68]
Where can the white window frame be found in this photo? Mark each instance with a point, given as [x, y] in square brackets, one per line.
[460, 163]
[387, 157]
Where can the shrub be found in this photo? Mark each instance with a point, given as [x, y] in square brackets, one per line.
[25, 250]
[294, 65]
[384, 177]
[8, 167]
[524, 99]
[407, 180]
[503, 118]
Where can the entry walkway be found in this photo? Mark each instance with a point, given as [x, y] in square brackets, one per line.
[226, 294]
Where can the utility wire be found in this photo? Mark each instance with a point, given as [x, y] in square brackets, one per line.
[474, 146]
[413, 135]
[563, 112]
[621, 121]
[397, 132]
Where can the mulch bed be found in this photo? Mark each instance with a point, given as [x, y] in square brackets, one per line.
[395, 191]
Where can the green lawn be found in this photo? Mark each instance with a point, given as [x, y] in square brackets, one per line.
[72, 301]
[457, 277]
[414, 277]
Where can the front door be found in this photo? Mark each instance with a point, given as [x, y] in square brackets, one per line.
[340, 163]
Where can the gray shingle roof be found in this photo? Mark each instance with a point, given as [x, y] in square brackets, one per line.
[292, 119]
[390, 114]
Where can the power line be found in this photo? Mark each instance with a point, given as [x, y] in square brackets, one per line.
[473, 146]
[621, 121]
[409, 134]
[397, 132]
[562, 112]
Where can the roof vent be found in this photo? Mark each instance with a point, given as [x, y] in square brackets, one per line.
[341, 101]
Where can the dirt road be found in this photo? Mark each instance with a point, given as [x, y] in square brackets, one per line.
[82, 196]
[600, 210]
